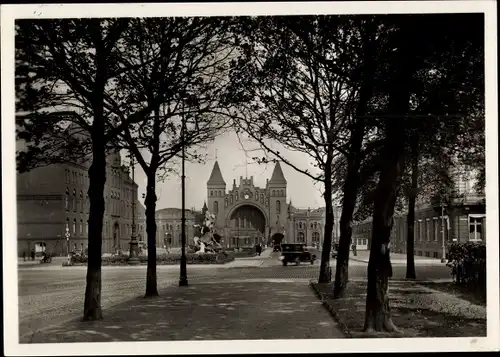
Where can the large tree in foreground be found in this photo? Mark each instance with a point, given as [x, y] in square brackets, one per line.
[75, 65]
[299, 86]
[413, 53]
[193, 60]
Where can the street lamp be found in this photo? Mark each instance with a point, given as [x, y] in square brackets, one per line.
[134, 245]
[67, 235]
[183, 281]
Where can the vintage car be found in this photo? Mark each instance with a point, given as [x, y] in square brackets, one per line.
[296, 253]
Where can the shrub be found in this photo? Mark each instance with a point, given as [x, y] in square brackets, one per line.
[161, 259]
[468, 263]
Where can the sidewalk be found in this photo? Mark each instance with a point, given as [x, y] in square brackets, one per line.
[397, 259]
[207, 311]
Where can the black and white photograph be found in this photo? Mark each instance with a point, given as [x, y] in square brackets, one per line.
[214, 178]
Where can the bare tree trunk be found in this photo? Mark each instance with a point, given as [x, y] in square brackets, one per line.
[324, 270]
[348, 205]
[410, 218]
[151, 281]
[97, 179]
[378, 313]
[351, 182]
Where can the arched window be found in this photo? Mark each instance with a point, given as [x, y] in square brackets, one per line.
[297, 224]
[211, 193]
[67, 225]
[300, 225]
[274, 193]
[81, 202]
[74, 200]
[81, 227]
[74, 226]
[300, 237]
[311, 225]
[87, 227]
[237, 195]
[225, 202]
[231, 199]
[315, 237]
[262, 198]
[256, 195]
[282, 192]
[177, 227]
[66, 200]
[216, 207]
[278, 207]
[315, 225]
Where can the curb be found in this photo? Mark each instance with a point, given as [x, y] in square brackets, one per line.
[330, 309]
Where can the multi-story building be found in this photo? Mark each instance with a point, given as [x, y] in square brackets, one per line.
[464, 220]
[169, 227]
[52, 205]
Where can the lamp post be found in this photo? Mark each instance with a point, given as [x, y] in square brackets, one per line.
[183, 281]
[134, 246]
[67, 235]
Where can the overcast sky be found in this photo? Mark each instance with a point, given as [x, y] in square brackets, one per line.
[231, 157]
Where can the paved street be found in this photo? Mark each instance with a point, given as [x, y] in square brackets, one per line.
[51, 295]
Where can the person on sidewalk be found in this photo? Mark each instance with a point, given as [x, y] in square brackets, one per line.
[354, 252]
[24, 255]
[33, 254]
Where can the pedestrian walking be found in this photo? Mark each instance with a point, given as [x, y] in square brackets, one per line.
[33, 254]
[24, 255]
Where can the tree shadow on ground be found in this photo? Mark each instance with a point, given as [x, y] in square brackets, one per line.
[207, 312]
[411, 309]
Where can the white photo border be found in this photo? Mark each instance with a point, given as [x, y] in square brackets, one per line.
[9, 13]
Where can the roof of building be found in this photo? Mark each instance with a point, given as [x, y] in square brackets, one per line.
[216, 176]
[277, 176]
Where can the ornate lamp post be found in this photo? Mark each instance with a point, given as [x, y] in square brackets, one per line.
[183, 281]
[134, 245]
[67, 235]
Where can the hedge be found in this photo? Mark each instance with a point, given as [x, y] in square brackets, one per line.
[162, 259]
[468, 263]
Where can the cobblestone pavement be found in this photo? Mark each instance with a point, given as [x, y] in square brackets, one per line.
[53, 295]
[208, 311]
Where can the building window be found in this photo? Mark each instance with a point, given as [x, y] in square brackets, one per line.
[67, 225]
[237, 196]
[256, 195]
[427, 254]
[74, 227]
[420, 230]
[262, 198]
[81, 202]
[81, 227]
[315, 237]
[274, 193]
[74, 200]
[428, 229]
[211, 193]
[300, 225]
[231, 199]
[216, 207]
[87, 227]
[475, 228]
[301, 237]
[225, 202]
[278, 207]
[282, 193]
[66, 201]
[436, 228]
[315, 225]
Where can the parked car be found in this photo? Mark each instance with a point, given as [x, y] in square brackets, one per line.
[296, 253]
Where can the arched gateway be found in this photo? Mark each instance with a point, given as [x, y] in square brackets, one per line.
[248, 214]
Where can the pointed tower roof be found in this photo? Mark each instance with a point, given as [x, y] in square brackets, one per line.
[216, 176]
[277, 176]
